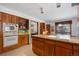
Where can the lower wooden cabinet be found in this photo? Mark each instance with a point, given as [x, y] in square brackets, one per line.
[22, 40]
[47, 47]
[63, 49]
[43, 48]
[38, 45]
[49, 50]
[1, 45]
[60, 51]
[76, 50]
[76, 53]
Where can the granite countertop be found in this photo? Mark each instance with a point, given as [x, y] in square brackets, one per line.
[71, 40]
[23, 33]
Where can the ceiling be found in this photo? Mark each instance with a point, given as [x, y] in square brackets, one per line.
[51, 12]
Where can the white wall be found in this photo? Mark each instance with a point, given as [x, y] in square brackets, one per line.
[75, 31]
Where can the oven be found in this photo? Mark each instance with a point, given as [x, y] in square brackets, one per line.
[10, 34]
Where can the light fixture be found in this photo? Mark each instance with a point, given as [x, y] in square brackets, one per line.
[58, 5]
[59, 25]
[41, 10]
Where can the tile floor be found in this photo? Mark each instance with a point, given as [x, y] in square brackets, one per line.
[22, 51]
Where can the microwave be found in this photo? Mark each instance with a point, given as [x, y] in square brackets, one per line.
[10, 27]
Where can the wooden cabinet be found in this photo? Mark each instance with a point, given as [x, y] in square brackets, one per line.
[76, 50]
[60, 51]
[14, 19]
[49, 48]
[43, 47]
[48, 28]
[6, 18]
[38, 45]
[1, 30]
[25, 40]
[76, 53]
[1, 45]
[42, 28]
[22, 40]
[1, 34]
[63, 49]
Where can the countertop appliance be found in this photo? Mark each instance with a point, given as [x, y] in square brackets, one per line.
[10, 34]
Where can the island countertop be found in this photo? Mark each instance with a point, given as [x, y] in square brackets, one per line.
[74, 40]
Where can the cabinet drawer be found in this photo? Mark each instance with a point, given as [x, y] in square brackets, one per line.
[38, 39]
[76, 47]
[50, 42]
[60, 51]
[76, 53]
[64, 45]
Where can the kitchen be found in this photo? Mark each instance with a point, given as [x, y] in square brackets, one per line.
[47, 36]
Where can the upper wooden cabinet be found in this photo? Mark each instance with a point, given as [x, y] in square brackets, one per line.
[48, 28]
[42, 28]
[1, 26]
[14, 19]
[8, 18]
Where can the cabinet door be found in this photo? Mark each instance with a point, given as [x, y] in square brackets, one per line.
[1, 45]
[38, 46]
[26, 39]
[20, 41]
[14, 19]
[6, 18]
[49, 50]
[23, 40]
[63, 51]
[42, 27]
[1, 31]
[48, 28]
[76, 49]
[76, 53]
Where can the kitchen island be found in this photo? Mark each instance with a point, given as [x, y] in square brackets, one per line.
[45, 45]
